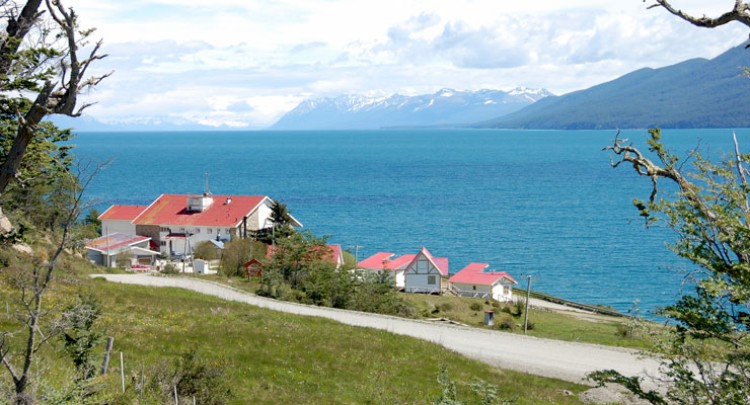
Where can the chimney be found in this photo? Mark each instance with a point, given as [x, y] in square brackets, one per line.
[228, 201]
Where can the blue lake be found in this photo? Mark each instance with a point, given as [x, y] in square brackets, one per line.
[539, 203]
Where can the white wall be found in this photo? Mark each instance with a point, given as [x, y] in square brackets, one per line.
[400, 278]
[496, 291]
[417, 275]
[117, 225]
[468, 290]
[199, 234]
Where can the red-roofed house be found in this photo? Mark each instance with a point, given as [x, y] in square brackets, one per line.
[119, 219]
[426, 274]
[335, 256]
[384, 261]
[177, 222]
[254, 268]
[332, 254]
[474, 281]
[105, 250]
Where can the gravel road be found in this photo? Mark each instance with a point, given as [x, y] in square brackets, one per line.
[545, 357]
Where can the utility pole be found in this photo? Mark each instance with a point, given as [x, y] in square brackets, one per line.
[526, 311]
[356, 253]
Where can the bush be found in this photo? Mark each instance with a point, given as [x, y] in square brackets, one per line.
[193, 378]
[169, 268]
[445, 307]
[475, 306]
[205, 250]
[519, 306]
[506, 322]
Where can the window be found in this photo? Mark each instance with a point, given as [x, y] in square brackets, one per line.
[197, 230]
[474, 287]
[164, 229]
[210, 230]
[506, 290]
[163, 243]
[431, 280]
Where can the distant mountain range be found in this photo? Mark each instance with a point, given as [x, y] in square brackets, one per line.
[86, 123]
[697, 93]
[447, 107]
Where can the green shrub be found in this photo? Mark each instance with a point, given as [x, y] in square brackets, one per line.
[193, 378]
[506, 322]
[445, 307]
[475, 306]
[169, 268]
[519, 306]
[205, 250]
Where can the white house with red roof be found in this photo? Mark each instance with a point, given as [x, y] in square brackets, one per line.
[105, 250]
[177, 222]
[474, 281]
[119, 219]
[385, 261]
[426, 273]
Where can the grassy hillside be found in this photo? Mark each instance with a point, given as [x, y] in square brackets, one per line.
[267, 357]
[281, 358]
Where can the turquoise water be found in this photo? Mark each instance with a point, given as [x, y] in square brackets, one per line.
[539, 203]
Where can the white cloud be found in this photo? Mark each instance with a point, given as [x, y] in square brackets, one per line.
[242, 62]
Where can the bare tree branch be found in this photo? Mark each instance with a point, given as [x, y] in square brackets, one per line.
[740, 13]
[60, 98]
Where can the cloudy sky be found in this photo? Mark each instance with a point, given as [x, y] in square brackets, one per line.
[244, 63]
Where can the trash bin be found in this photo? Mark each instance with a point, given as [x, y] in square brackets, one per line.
[489, 318]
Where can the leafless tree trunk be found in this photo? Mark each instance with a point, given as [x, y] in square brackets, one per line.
[32, 290]
[60, 97]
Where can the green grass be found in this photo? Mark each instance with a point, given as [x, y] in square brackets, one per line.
[282, 358]
[605, 330]
[599, 329]
[273, 357]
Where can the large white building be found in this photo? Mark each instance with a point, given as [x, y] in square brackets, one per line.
[177, 222]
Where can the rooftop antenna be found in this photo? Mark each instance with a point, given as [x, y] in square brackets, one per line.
[207, 190]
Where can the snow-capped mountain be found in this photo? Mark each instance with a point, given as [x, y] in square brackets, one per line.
[446, 107]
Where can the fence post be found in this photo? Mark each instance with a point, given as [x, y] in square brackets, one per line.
[122, 372]
[105, 364]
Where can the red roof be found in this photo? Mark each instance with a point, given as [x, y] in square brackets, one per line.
[474, 274]
[114, 241]
[400, 262]
[385, 261]
[225, 211]
[441, 263]
[375, 262]
[122, 212]
[335, 255]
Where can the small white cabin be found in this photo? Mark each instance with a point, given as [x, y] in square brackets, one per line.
[385, 261]
[426, 274]
[474, 281]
